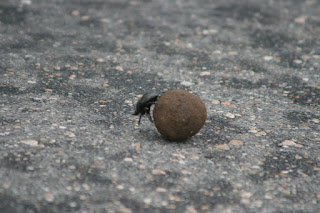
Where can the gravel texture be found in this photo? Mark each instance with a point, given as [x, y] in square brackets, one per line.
[71, 72]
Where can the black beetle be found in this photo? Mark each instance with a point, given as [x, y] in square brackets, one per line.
[144, 104]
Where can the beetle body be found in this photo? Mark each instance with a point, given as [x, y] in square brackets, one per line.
[144, 104]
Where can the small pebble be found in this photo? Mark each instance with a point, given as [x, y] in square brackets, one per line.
[125, 210]
[120, 187]
[186, 83]
[128, 159]
[236, 142]
[205, 207]
[222, 146]
[75, 13]
[70, 134]
[209, 32]
[230, 115]
[73, 204]
[297, 61]
[147, 200]
[204, 73]
[301, 19]
[119, 68]
[30, 142]
[267, 58]
[49, 197]
[85, 18]
[191, 209]
[226, 103]
[253, 130]
[175, 198]
[26, 2]
[160, 189]
[215, 101]
[158, 172]
[72, 77]
[287, 143]
[100, 60]
[262, 133]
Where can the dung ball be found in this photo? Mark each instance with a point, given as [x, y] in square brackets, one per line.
[179, 115]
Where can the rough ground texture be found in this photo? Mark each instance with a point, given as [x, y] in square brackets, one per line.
[72, 70]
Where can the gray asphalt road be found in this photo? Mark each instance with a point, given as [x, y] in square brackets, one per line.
[72, 71]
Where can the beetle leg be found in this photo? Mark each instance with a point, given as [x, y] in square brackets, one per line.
[141, 114]
[139, 119]
[150, 118]
[148, 114]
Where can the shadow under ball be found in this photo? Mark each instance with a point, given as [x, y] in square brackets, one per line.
[179, 115]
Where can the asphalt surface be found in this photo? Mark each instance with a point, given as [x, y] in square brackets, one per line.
[71, 72]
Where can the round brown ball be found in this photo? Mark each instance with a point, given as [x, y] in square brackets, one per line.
[179, 115]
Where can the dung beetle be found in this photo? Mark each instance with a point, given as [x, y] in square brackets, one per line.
[144, 104]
